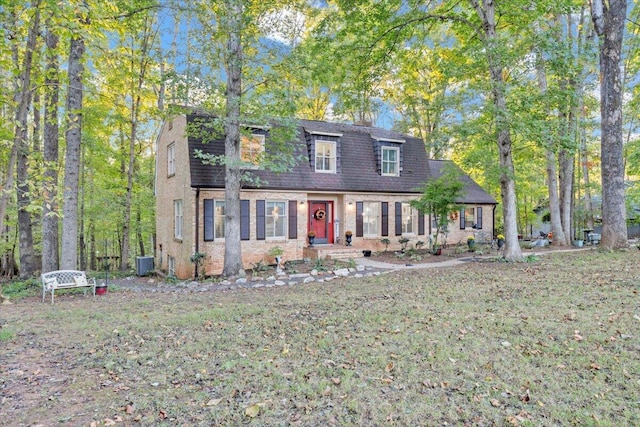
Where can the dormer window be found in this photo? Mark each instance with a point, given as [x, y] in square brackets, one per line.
[251, 148]
[390, 161]
[325, 156]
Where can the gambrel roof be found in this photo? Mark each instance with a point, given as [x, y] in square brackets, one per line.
[357, 158]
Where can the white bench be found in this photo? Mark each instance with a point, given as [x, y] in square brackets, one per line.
[65, 279]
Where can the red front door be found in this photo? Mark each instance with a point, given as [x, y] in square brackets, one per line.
[321, 221]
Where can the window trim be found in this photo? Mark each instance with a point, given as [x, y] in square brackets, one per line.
[414, 219]
[178, 219]
[283, 214]
[475, 217]
[333, 158]
[215, 218]
[384, 149]
[171, 159]
[171, 266]
[252, 162]
[378, 219]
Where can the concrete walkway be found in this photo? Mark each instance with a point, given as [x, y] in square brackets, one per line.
[379, 265]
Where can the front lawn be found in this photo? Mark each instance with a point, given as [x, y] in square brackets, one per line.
[553, 342]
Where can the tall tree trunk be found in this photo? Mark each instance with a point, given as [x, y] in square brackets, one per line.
[486, 13]
[232, 248]
[137, 86]
[139, 230]
[126, 228]
[28, 265]
[609, 19]
[552, 173]
[72, 158]
[22, 100]
[584, 155]
[566, 160]
[50, 155]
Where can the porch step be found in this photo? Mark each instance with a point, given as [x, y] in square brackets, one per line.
[332, 252]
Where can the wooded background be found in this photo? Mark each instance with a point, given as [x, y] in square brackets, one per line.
[87, 83]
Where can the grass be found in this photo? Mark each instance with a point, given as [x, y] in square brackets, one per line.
[555, 341]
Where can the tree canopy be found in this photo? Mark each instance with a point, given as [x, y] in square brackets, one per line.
[508, 90]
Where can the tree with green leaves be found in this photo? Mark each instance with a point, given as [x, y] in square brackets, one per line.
[440, 197]
[233, 34]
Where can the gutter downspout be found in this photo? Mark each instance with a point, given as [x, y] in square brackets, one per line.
[494, 222]
[197, 234]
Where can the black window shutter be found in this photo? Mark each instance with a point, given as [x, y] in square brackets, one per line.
[479, 215]
[420, 224]
[293, 219]
[385, 219]
[359, 225]
[260, 220]
[245, 220]
[463, 220]
[398, 218]
[208, 220]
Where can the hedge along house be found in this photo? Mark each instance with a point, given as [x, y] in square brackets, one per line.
[348, 178]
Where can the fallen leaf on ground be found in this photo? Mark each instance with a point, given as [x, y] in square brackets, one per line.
[252, 411]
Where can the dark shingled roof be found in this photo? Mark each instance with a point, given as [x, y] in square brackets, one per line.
[474, 193]
[357, 168]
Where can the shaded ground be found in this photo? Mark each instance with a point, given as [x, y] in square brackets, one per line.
[552, 342]
[421, 256]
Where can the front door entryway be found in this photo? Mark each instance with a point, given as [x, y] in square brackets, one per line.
[321, 220]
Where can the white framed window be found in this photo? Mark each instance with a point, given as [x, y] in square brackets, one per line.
[177, 219]
[371, 218]
[218, 219]
[409, 219]
[326, 156]
[390, 161]
[275, 219]
[251, 148]
[469, 217]
[171, 266]
[171, 159]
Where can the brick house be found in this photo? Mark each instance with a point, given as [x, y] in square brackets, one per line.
[353, 178]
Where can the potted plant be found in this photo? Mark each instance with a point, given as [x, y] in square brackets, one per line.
[348, 236]
[312, 237]
[101, 289]
[471, 243]
[500, 238]
[198, 260]
[404, 242]
[276, 252]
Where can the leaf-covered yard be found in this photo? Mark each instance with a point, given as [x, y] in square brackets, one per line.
[555, 342]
